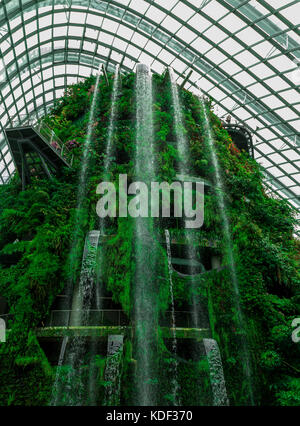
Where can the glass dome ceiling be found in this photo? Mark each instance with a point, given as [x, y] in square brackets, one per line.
[244, 54]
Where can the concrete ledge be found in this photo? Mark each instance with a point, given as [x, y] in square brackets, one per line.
[86, 331]
[186, 333]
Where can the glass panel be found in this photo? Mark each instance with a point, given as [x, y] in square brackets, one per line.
[291, 13]
[171, 24]
[215, 10]
[182, 11]
[214, 33]
[155, 14]
[199, 23]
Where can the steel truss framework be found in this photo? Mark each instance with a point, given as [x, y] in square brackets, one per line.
[244, 54]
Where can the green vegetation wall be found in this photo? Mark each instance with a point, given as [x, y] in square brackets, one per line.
[37, 227]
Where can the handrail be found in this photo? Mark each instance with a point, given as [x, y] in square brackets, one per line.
[44, 130]
[110, 317]
[115, 317]
[63, 317]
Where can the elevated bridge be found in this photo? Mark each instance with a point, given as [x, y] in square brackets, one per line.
[35, 149]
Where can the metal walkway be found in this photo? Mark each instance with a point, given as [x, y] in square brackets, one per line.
[36, 150]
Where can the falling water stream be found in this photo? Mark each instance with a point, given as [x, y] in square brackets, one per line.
[112, 123]
[68, 390]
[229, 248]
[98, 287]
[184, 170]
[144, 156]
[81, 191]
[113, 363]
[56, 385]
[213, 355]
[112, 371]
[145, 318]
[174, 343]
[216, 372]
[90, 285]
[109, 151]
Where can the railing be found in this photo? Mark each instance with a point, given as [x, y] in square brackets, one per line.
[44, 130]
[114, 317]
[183, 319]
[22, 120]
[93, 317]
[109, 318]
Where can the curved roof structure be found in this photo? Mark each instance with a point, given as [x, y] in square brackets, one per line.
[244, 54]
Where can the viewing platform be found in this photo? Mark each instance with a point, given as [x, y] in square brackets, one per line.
[36, 149]
[102, 323]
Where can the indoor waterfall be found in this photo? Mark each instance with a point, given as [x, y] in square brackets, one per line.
[150, 207]
[246, 362]
[56, 389]
[77, 295]
[71, 379]
[81, 192]
[145, 311]
[113, 364]
[184, 170]
[109, 152]
[216, 372]
[174, 342]
[95, 285]
[69, 388]
[112, 122]
[113, 370]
